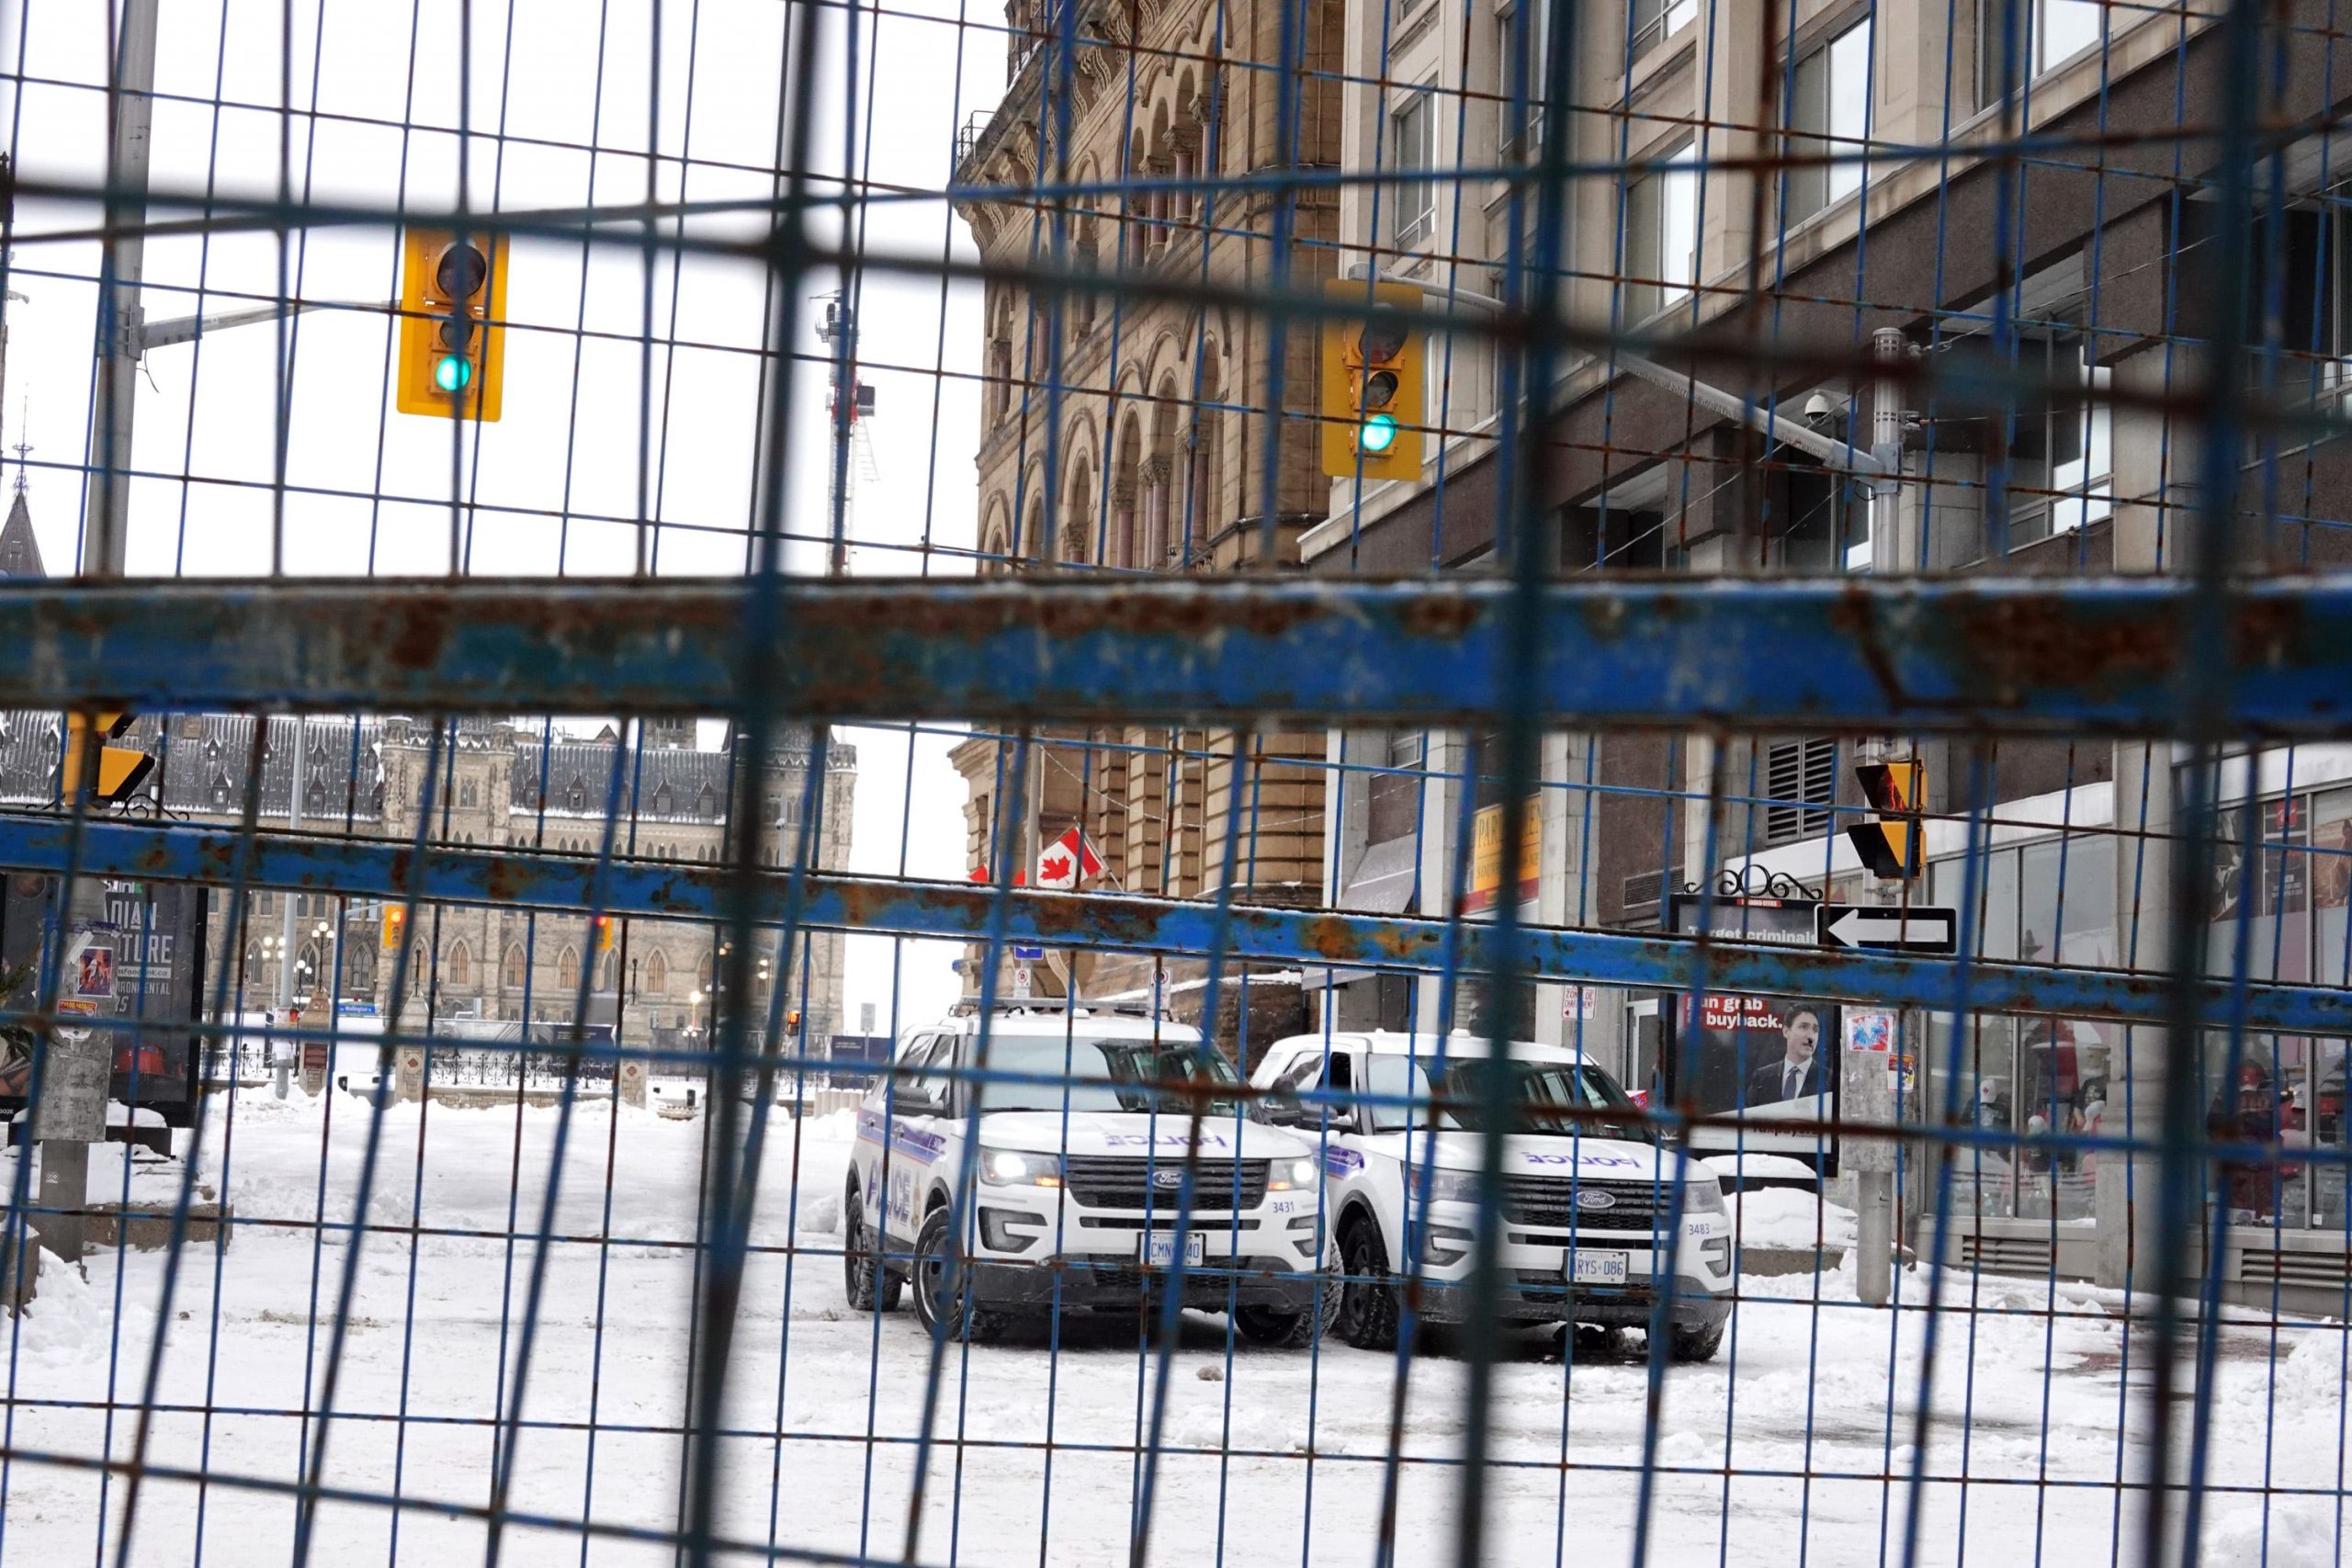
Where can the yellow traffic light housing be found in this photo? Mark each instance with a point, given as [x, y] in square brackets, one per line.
[1372, 385]
[604, 933]
[395, 923]
[121, 769]
[453, 333]
[1891, 844]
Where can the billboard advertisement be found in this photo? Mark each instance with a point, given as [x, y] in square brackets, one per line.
[1765, 1062]
[157, 959]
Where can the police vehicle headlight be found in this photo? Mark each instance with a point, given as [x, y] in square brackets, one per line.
[1451, 1186]
[1015, 1167]
[1292, 1176]
[1704, 1194]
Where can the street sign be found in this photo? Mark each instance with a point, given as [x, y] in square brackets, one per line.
[1888, 930]
[1026, 954]
[1784, 922]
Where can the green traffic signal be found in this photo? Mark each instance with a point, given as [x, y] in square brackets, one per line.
[451, 372]
[1378, 432]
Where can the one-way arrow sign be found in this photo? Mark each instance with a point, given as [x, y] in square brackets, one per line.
[1916, 930]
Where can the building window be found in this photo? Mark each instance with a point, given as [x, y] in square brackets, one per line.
[1521, 28]
[566, 970]
[466, 793]
[1828, 117]
[517, 969]
[2059, 474]
[1654, 21]
[2312, 326]
[1800, 786]
[657, 972]
[1412, 135]
[1662, 237]
[1393, 803]
[2047, 33]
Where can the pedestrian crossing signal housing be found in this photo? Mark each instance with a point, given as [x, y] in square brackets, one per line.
[1371, 401]
[1890, 844]
[121, 769]
[453, 337]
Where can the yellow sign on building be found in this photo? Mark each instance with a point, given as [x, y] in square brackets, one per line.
[1487, 855]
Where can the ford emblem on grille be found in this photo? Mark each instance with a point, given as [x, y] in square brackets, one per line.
[1168, 1176]
[1594, 1198]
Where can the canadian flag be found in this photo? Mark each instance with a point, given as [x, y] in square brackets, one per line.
[1066, 861]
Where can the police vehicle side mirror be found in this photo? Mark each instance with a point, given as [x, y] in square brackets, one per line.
[1281, 1108]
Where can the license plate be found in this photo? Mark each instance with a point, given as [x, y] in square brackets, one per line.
[1158, 1250]
[1588, 1268]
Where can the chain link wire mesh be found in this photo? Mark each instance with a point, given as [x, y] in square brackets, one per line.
[1290, 966]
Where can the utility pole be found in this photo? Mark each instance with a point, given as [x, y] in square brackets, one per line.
[1869, 1078]
[286, 900]
[72, 1113]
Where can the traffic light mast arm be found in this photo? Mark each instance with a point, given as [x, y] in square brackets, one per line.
[1832, 452]
[187, 329]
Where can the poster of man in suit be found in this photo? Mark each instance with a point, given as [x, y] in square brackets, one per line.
[1759, 1061]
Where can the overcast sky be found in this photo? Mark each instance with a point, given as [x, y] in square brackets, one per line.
[556, 485]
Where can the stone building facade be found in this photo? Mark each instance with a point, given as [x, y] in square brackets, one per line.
[1126, 433]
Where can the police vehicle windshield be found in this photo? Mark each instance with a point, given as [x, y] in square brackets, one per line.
[1548, 1093]
[1101, 1075]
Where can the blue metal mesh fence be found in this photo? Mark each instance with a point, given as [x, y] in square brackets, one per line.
[1614, 822]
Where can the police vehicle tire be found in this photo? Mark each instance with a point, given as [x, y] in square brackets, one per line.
[1289, 1330]
[871, 1287]
[976, 1324]
[1696, 1344]
[1367, 1314]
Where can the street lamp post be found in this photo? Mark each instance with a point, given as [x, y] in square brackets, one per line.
[323, 935]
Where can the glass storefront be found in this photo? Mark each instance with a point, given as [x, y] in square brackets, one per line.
[2281, 910]
[2051, 901]
[2282, 882]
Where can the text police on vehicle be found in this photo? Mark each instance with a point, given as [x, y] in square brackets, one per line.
[1588, 1209]
[1086, 1152]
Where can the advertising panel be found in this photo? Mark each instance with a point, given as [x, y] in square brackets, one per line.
[153, 968]
[1764, 1061]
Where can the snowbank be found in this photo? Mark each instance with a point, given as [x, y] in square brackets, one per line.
[1784, 1216]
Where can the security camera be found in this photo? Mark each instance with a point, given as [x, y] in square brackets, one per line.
[1817, 409]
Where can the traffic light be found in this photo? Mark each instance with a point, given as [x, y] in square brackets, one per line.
[395, 923]
[1890, 844]
[453, 337]
[121, 769]
[1372, 385]
[604, 933]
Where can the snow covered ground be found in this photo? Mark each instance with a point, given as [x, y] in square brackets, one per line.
[1271, 1457]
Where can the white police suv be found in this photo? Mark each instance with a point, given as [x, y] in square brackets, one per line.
[1585, 1211]
[1080, 1175]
